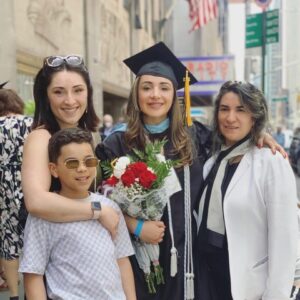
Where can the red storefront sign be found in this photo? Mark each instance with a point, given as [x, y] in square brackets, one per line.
[210, 71]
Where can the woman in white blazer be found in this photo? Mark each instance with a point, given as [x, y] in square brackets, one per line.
[247, 218]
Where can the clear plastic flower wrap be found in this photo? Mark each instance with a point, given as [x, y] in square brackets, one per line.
[140, 185]
[148, 206]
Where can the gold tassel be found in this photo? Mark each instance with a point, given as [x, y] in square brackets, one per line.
[187, 99]
[173, 262]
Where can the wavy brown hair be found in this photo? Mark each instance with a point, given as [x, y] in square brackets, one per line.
[135, 135]
[10, 102]
[254, 102]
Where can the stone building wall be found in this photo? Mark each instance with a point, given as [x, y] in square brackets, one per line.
[99, 30]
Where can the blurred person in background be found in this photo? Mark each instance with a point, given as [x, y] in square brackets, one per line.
[14, 128]
[3, 283]
[108, 124]
[279, 137]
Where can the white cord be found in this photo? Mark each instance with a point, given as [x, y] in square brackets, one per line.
[173, 265]
[188, 254]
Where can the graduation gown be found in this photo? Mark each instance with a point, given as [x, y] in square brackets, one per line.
[113, 146]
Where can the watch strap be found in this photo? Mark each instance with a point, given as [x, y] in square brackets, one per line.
[96, 209]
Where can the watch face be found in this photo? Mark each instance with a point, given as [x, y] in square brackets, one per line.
[96, 205]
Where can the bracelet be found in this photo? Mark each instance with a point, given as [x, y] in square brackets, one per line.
[138, 228]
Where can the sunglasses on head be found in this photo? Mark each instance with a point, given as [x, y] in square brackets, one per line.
[89, 162]
[57, 61]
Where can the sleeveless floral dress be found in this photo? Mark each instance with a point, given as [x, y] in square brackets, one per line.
[13, 132]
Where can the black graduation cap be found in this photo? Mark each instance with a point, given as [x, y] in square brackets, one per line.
[159, 60]
[3, 84]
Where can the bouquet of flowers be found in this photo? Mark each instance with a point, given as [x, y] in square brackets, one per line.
[138, 185]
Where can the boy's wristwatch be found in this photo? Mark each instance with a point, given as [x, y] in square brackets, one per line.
[96, 209]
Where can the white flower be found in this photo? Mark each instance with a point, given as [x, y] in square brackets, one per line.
[120, 166]
[160, 157]
[151, 170]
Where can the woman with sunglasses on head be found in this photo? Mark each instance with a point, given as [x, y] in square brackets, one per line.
[154, 113]
[247, 235]
[63, 98]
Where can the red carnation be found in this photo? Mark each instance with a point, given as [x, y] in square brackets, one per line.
[147, 178]
[128, 178]
[137, 168]
[112, 180]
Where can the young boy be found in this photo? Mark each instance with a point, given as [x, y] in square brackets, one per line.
[79, 259]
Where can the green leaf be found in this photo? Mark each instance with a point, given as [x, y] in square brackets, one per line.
[140, 154]
[106, 168]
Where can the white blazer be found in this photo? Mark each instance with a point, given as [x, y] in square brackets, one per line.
[260, 212]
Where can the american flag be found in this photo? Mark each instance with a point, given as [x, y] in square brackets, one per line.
[202, 11]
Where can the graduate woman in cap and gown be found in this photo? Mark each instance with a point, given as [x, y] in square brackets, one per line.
[154, 113]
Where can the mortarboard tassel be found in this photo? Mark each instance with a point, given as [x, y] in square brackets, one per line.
[187, 99]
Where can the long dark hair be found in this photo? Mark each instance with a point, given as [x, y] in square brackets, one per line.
[43, 115]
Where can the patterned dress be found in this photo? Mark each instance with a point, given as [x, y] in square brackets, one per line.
[13, 131]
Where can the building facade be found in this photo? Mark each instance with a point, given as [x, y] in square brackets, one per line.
[204, 51]
[103, 32]
[291, 60]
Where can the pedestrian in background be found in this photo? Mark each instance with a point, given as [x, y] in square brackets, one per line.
[247, 219]
[14, 128]
[279, 137]
[107, 128]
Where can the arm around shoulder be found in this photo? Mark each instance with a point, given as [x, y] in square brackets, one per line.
[36, 177]
[36, 181]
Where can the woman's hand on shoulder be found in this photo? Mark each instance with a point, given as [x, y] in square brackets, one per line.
[153, 232]
[266, 140]
[109, 218]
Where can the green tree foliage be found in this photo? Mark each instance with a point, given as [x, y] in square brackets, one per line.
[29, 108]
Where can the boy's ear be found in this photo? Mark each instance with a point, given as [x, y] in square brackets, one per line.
[53, 169]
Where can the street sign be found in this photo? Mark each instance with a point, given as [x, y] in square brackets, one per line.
[210, 71]
[263, 3]
[254, 30]
[272, 26]
[280, 99]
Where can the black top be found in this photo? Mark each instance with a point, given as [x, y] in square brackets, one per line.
[213, 262]
[114, 146]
